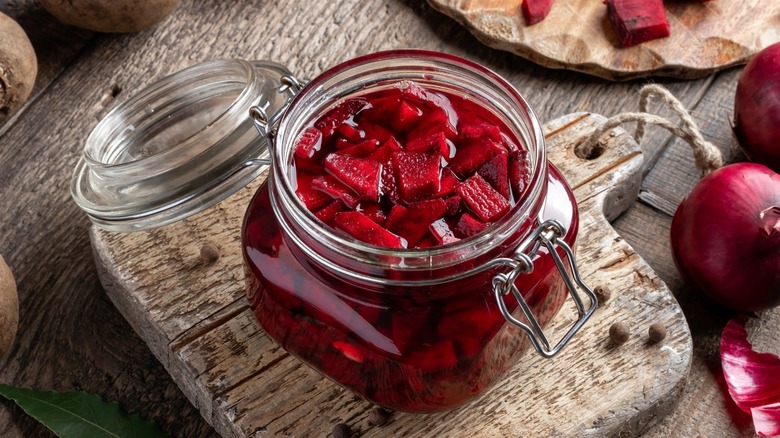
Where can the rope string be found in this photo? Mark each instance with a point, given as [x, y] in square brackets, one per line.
[707, 156]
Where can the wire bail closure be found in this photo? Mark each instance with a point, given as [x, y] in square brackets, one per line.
[266, 124]
[549, 234]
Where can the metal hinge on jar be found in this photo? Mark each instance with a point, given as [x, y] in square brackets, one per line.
[549, 234]
[265, 124]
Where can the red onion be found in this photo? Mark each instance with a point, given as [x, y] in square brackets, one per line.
[726, 236]
[753, 378]
[757, 108]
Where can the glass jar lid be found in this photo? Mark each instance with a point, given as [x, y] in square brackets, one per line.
[179, 146]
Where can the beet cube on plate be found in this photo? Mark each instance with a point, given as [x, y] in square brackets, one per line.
[637, 21]
[535, 11]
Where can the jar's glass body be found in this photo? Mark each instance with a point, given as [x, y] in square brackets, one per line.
[412, 330]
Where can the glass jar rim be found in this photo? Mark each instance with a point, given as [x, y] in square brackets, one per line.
[336, 76]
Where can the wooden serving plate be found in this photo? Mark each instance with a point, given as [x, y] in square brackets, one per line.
[577, 35]
[194, 317]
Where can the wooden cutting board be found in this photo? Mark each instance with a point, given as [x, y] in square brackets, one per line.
[577, 35]
[194, 317]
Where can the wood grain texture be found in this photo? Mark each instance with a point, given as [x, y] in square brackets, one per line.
[577, 34]
[194, 318]
[72, 337]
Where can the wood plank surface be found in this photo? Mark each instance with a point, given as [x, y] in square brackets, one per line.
[72, 337]
[578, 35]
[195, 318]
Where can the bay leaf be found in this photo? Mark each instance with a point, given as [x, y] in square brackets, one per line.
[78, 414]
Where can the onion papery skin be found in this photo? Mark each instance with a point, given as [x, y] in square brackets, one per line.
[725, 237]
[757, 108]
[753, 378]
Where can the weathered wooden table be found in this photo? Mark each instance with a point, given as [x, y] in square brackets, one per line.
[72, 337]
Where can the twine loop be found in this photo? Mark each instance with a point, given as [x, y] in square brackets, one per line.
[707, 156]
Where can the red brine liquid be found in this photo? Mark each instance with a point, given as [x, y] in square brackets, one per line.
[404, 167]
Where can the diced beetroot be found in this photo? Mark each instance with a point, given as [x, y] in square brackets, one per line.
[637, 21]
[333, 187]
[308, 145]
[310, 196]
[509, 144]
[483, 199]
[376, 131]
[375, 213]
[440, 101]
[343, 143]
[389, 183]
[427, 241]
[472, 155]
[435, 143]
[519, 172]
[338, 115]
[419, 216]
[350, 351]
[395, 216]
[406, 118]
[474, 131]
[436, 121]
[441, 231]
[436, 357]
[418, 174]
[496, 172]
[361, 227]
[535, 11]
[453, 205]
[351, 133]
[468, 225]
[382, 109]
[359, 174]
[362, 149]
[469, 327]
[385, 152]
[327, 212]
[449, 183]
[405, 327]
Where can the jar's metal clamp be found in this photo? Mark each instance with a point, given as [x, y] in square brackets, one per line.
[550, 234]
[266, 124]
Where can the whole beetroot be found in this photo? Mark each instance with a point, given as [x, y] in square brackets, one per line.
[9, 308]
[110, 15]
[18, 66]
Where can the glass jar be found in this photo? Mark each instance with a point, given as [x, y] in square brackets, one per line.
[416, 330]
